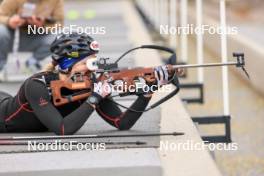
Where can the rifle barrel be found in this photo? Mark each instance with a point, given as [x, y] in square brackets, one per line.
[205, 65]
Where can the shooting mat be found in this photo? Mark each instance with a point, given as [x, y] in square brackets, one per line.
[148, 123]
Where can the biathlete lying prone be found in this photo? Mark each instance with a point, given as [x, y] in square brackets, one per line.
[32, 108]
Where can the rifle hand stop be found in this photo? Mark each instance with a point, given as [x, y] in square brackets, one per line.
[241, 62]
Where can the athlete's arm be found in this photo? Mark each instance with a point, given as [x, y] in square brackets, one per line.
[38, 98]
[112, 114]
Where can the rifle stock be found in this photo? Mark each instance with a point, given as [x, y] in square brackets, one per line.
[57, 87]
[127, 76]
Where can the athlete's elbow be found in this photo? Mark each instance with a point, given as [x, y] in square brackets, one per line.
[59, 133]
[123, 127]
[63, 132]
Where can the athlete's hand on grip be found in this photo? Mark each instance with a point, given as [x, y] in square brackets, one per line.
[161, 75]
[102, 88]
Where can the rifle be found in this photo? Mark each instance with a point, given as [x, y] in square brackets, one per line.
[110, 72]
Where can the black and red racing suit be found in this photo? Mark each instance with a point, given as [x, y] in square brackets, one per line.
[32, 110]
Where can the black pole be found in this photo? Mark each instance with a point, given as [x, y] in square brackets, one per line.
[89, 136]
[12, 142]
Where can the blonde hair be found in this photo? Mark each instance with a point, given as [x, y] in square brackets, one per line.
[50, 67]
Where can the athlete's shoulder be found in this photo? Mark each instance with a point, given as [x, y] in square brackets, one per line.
[44, 73]
[44, 77]
[39, 84]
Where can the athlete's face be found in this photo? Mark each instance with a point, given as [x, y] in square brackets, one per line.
[81, 67]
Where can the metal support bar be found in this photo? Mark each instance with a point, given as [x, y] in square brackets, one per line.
[184, 38]
[199, 40]
[89, 136]
[198, 86]
[173, 23]
[157, 14]
[224, 58]
[165, 12]
[209, 120]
